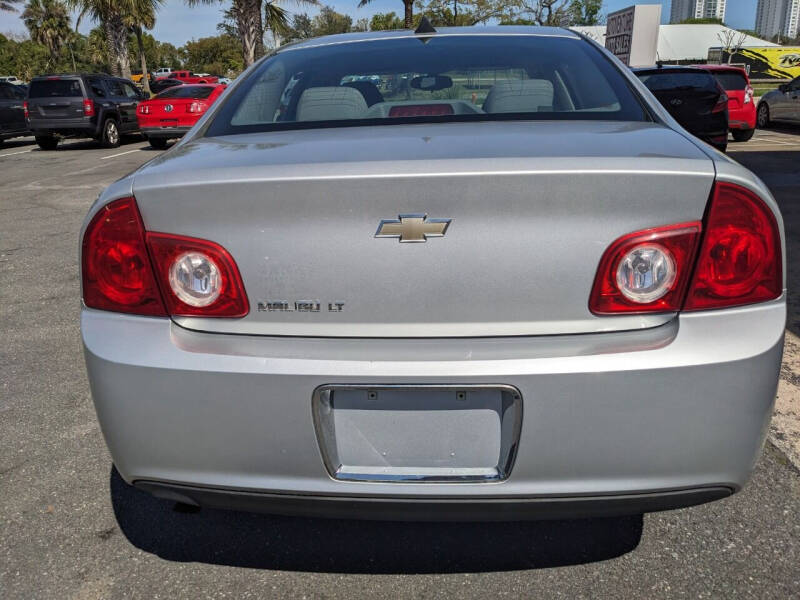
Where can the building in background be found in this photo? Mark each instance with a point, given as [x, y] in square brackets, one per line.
[697, 9]
[778, 17]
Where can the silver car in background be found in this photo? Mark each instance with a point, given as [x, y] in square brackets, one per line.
[782, 105]
[478, 273]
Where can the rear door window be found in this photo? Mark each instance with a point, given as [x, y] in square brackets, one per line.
[730, 80]
[96, 87]
[115, 88]
[187, 91]
[55, 88]
[128, 90]
[447, 78]
[677, 80]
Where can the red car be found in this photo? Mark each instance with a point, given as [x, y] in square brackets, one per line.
[174, 111]
[741, 107]
[189, 77]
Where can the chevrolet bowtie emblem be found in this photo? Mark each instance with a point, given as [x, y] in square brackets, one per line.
[413, 228]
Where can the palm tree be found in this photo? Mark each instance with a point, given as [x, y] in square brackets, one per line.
[409, 11]
[143, 17]
[48, 23]
[9, 5]
[115, 16]
[251, 23]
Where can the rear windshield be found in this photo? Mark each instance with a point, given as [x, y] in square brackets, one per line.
[677, 80]
[731, 80]
[187, 91]
[51, 88]
[448, 78]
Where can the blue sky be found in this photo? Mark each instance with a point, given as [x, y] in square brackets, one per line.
[177, 23]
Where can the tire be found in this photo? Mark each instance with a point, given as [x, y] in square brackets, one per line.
[742, 135]
[47, 142]
[762, 116]
[159, 143]
[110, 137]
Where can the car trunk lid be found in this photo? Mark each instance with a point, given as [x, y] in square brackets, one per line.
[56, 98]
[531, 208]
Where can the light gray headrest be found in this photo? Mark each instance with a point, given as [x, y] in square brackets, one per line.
[330, 103]
[521, 95]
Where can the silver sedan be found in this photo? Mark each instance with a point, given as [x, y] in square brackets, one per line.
[474, 273]
[782, 105]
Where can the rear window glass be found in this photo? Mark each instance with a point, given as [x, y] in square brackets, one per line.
[186, 91]
[731, 80]
[52, 88]
[677, 80]
[448, 78]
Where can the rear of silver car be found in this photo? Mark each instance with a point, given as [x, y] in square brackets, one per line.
[473, 374]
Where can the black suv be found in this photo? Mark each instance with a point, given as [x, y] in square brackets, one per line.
[12, 115]
[80, 105]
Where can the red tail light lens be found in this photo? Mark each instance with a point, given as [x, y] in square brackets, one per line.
[740, 259]
[197, 277]
[144, 109]
[722, 104]
[748, 94]
[126, 269]
[646, 271]
[25, 109]
[88, 108]
[116, 269]
[196, 107]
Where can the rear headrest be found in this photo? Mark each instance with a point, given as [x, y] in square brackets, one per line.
[330, 103]
[520, 95]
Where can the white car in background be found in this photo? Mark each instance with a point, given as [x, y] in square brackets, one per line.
[12, 79]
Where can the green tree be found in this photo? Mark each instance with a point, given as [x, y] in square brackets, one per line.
[585, 12]
[447, 13]
[702, 21]
[408, 11]
[116, 18]
[142, 16]
[300, 29]
[48, 23]
[9, 5]
[219, 55]
[329, 22]
[385, 21]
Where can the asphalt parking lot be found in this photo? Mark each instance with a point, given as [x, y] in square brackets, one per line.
[69, 528]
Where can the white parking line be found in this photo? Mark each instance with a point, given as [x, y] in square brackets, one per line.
[13, 153]
[120, 154]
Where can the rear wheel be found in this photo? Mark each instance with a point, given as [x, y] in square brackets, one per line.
[110, 136]
[721, 147]
[159, 143]
[742, 135]
[47, 142]
[762, 119]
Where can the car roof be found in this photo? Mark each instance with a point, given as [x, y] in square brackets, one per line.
[721, 68]
[368, 36]
[667, 69]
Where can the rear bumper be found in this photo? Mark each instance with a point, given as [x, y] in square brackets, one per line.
[620, 422]
[164, 132]
[743, 118]
[445, 509]
[79, 127]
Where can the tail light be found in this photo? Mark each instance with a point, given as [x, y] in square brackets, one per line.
[645, 271]
[722, 103]
[196, 107]
[740, 260]
[737, 260]
[748, 94]
[197, 277]
[25, 109]
[116, 269]
[88, 108]
[126, 269]
[144, 109]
